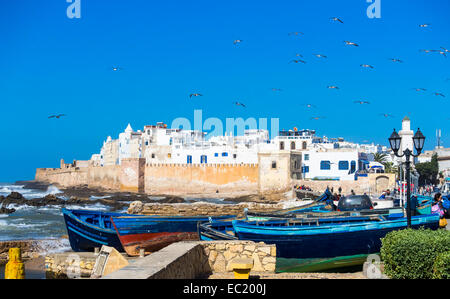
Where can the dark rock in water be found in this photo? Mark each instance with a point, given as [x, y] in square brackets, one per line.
[51, 199]
[15, 196]
[33, 185]
[170, 199]
[6, 210]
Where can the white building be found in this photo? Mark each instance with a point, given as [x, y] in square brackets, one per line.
[333, 164]
[322, 157]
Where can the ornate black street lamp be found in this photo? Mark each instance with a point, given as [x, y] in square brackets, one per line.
[418, 141]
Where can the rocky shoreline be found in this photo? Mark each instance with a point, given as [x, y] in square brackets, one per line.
[84, 195]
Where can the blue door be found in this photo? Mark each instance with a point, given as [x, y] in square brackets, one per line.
[189, 159]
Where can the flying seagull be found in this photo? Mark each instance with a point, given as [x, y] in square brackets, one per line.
[276, 89]
[239, 104]
[424, 25]
[320, 55]
[428, 51]
[361, 102]
[367, 65]
[298, 60]
[395, 60]
[296, 33]
[236, 41]
[439, 94]
[332, 87]
[195, 95]
[443, 53]
[336, 19]
[351, 43]
[310, 106]
[419, 89]
[445, 50]
[116, 68]
[317, 117]
[298, 55]
[56, 116]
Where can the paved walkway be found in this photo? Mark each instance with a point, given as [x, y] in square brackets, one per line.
[356, 275]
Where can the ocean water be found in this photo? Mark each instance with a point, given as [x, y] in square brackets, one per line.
[29, 222]
[47, 222]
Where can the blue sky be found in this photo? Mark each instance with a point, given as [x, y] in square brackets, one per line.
[168, 49]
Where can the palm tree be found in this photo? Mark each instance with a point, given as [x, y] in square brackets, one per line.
[380, 158]
[389, 167]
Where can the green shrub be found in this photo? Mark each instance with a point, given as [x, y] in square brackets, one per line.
[410, 254]
[441, 268]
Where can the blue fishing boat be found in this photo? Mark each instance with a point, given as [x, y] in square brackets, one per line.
[89, 229]
[319, 205]
[152, 233]
[422, 203]
[327, 237]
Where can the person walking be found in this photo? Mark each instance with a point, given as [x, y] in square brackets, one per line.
[437, 208]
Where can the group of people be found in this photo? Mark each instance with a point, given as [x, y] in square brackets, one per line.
[384, 194]
[441, 206]
[302, 187]
[426, 190]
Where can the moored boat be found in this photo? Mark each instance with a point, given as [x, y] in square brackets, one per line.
[89, 229]
[152, 233]
[319, 205]
[327, 237]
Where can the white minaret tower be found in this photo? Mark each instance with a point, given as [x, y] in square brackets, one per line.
[407, 136]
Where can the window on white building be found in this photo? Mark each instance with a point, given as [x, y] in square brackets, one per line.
[325, 165]
[274, 164]
[343, 165]
[306, 157]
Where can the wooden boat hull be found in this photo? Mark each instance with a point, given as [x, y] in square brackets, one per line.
[323, 241]
[335, 264]
[152, 242]
[90, 229]
[152, 234]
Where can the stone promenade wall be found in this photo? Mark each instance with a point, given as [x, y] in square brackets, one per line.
[374, 184]
[199, 208]
[168, 179]
[185, 179]
[69, 265]
[222, 253]
[198, 259]
[106, 177]
[66, 177]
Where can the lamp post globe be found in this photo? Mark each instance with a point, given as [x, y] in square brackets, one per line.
[419, 141]
[395, 141]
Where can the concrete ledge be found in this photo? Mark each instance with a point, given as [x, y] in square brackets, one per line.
[174, 261]
[198, 259]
